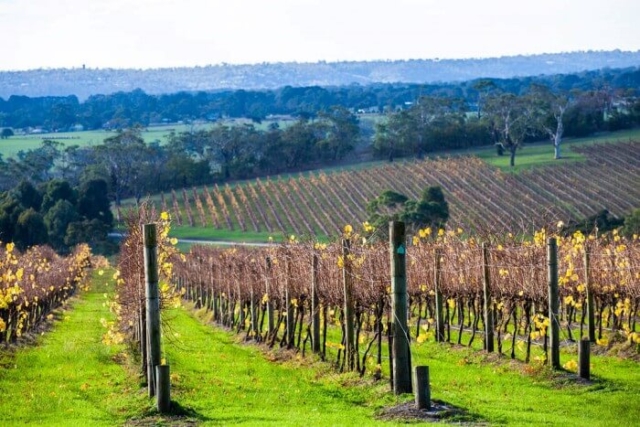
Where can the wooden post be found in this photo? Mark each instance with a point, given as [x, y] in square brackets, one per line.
[254, 316]
[554, 302]
[488, 309]
[291, 320]
[269, 304]
[315, 306]
[349, 348]
[144, 345]
[164, 388]
[422, 387]
[438, 292]
[216, 307]
[585, 359]
[590, 306]
[153, 303]
[401, 361]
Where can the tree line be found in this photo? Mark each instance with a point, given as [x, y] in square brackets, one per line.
[57, 214]
[505, 119]
[124, 109]
[132, 168]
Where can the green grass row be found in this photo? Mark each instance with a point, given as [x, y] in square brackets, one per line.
[70, 377]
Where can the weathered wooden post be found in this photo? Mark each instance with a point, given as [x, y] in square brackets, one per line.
[422, 387]
[349, 348]
[315, 306]
[164, 388]
[254, 316]
[269, 304]
[144, 344]
[488, 309]
[401, 357]
[153, 303]
[438, 295]
[554, 302]
[291, 320]
[590, 306]
[584, 359]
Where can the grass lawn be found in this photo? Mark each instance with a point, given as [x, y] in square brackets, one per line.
[512, 393]
[226, 383]
[541, 153]
[209, 233]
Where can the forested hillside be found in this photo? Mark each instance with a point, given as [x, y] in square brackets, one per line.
[83, 82]
[123, 109]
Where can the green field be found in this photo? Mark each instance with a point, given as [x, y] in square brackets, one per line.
[11, 146]
[541, 153]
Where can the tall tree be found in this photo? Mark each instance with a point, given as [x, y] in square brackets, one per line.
[36, 165]
[27, 195]
[6, 133]
[10, 211]
[341, 131]
[56, 190]
[431, 210]
[122, 156]
[484, 88]
[511, 120]
[93, 202]
[30, 230]
[57, 220]
[548, 113]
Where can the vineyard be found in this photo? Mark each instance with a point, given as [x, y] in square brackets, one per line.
[34, 283]
[243, 287]
[480, 198]
[314, 296]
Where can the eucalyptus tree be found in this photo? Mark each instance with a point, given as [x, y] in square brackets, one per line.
[340, 132]
[484, 88]
[510, 118]
[548, 110]
[121, 158]
[421, 127]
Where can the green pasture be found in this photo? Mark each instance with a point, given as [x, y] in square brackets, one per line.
[11, 146]
[541, 153]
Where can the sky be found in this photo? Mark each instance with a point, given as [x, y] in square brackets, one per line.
[173, 33]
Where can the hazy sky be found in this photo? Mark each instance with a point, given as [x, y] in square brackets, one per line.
[165, 33]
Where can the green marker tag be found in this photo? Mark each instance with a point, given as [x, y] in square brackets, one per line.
[401, 250]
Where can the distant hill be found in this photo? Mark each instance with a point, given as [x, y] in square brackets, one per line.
[85, 82]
